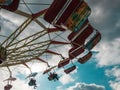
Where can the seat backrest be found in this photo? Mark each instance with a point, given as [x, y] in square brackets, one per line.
[81, 36]
[93, 41]
[70, 69]
[63, 62]
[85, 58]
[75, 51]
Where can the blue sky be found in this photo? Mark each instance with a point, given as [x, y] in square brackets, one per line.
[101, 72]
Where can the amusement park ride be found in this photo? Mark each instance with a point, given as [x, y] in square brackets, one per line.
[61, 16]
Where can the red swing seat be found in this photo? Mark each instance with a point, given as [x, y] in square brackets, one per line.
[85, 58]
[75, 51]
[93, 41]
[70, 69]
[63, 62]
[7, 87]
[78, 38]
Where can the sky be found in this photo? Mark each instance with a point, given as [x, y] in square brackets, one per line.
[101, 72]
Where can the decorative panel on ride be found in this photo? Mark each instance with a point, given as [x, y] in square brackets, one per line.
[78, 17]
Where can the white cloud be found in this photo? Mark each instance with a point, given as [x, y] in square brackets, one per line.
[97, 14]
[59, 88]
[84, 86]
[66, 78]
[15, 18]
[115, 85]
[21, 85]
[17, 85]
[55, 59]
[109, 53]
[118, 24]
[114, 73]
[21, 82]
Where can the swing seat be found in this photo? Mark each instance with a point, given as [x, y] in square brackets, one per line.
[10, 79]
[53, 76]
[48, 70]
[50, 78]
[8, 87]
[79, 37]
[93, 41]
[85, 58]
[32, 74]
[70, 69]
[75, 51]
[32, 82]
[73, 34]
[63, 62]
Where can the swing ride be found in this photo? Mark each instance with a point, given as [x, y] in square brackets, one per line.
[44, 27]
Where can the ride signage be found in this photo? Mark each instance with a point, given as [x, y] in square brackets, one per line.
[78, 17]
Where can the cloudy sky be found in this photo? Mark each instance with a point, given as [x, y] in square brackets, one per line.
[101, 72]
